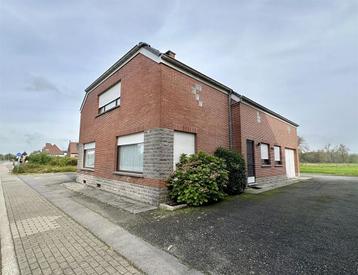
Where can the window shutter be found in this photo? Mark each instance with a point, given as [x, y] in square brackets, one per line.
[89, 146]
[131, 139]
[184, 143]
[110, 95]
[264, 151]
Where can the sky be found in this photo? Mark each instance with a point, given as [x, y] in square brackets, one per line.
[298, 58]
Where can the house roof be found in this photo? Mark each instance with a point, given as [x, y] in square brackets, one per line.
[52, 149]
[173, 62]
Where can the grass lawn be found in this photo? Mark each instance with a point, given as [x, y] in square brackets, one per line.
[341, 169]
[43, 168]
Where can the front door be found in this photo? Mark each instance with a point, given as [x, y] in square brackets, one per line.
[290, 163]
[250, 158]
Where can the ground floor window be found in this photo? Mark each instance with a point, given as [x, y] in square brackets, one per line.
[89, 152]
[131, 153]
[184, 143]
[277, 155]
[265, 154]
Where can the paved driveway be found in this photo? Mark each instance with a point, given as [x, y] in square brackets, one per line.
[309, 227]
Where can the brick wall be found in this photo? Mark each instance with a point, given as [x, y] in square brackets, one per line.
[236, 126]
[138, 112]
[180, 109]
[270, 130]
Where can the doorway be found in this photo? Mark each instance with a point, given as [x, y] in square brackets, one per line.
[250, 158]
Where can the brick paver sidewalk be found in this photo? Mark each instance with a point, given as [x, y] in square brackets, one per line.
[47, 241]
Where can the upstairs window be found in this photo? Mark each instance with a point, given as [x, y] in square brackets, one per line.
[265, 154]
[110, 99]
[89, 150]
[277, 155]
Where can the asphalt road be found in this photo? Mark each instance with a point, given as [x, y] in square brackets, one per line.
[306, 228]
[310, 227]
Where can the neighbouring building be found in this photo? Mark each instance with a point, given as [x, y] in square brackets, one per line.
[52, 149]
[147, 109]
[72, 150]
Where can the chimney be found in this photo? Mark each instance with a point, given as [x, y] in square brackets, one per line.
[170, 54]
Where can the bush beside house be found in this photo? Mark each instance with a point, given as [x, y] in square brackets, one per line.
[198, 179]
[235, 164]
[201, 179]
[45, 163]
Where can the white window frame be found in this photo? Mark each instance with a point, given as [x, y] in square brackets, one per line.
[109, 99]
[277, 155]
[129, 140]
[265, 154]
[89, 147]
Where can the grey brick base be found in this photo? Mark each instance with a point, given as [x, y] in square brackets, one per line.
[147, 194]
[158, 153]
[271, 180]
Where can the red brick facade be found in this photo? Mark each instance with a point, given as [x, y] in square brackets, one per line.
[180, 110]
[269, 130]
[156, 95]
[139, 111]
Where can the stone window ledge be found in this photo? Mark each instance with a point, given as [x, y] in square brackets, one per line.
[130, 174]
[266, 165]
[87, 169]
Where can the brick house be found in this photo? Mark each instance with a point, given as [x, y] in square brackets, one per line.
[72, 150]
[147, 109]
[52, 149]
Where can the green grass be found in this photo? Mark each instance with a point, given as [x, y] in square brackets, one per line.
[42, 168]
[340, 169]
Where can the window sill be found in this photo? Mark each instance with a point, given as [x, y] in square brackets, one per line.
[87, 169]
[265, 165]
[131, 174]
[278, 165]
[108, 111]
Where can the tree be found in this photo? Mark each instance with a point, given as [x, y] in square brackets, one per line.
[353, 158]
[343, 153]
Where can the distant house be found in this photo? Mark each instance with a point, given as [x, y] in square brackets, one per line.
[72, 150]
[52, 149]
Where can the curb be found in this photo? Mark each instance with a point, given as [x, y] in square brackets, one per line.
[8, 257]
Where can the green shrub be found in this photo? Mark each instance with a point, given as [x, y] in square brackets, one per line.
[39, 158]
[19, 169]
[70, 161]
[235, 164]
[40, 168]
[44, 159]
[198, 179]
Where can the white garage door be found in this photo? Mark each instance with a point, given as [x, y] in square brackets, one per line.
[290, 163]
[184, 143]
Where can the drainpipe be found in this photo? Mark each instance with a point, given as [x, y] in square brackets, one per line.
[230, 120]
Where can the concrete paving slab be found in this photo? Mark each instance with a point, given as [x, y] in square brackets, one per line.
[47, 241]
[147, 257]
[132, 206]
